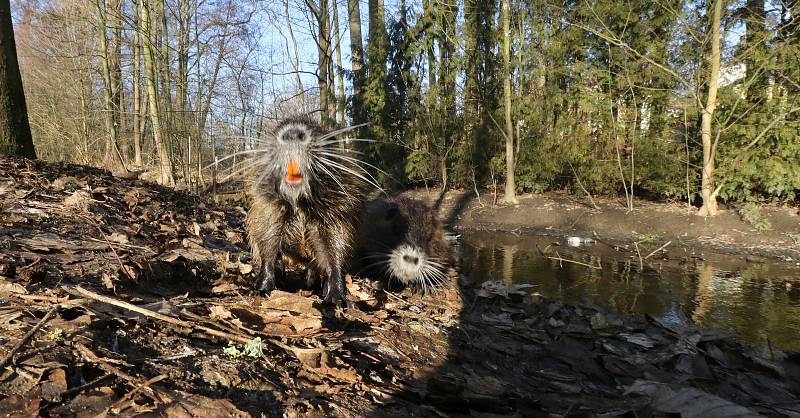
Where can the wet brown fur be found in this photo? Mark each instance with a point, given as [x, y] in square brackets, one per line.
[316, 229]
[393, 222]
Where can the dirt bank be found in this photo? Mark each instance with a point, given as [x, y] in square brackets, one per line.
[566, 215]
[119, 297]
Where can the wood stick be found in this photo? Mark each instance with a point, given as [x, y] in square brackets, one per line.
[658, 249]
[78, 389]
[166, 318]
[94, 358]
[29, 335]
[123, 403]
[641, 262]
[560, 259]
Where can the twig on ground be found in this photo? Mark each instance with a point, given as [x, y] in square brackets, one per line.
[107, 242]
[129, 397]
[658, 249]
[154, 394]
[166, 318]
[28, 336]
[78, 389]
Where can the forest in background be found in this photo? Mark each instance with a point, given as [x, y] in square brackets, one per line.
[682, 100]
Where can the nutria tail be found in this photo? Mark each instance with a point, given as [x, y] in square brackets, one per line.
[400, 238]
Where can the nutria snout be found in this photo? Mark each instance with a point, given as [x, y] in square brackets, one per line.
[306, 201]
[400, 239]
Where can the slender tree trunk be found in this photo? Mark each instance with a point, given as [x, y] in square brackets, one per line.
[138, 117]
[109, 92]
[182, 82]
[339, 69]
[151, 75]
[510, 196]
[15, 132]
[709, 207]
[296, 61]
[324, 44]
[356, 59]
[115, 22]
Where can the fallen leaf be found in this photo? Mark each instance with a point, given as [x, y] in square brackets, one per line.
[220, 312]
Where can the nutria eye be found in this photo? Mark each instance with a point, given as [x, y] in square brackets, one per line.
[301, 136]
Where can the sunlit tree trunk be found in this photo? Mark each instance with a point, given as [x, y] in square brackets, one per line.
[510, 196]
[138, 117]
[356, 59]
[15, 132]
[339, 69]
[165, 164]
[322, 16]
[709, 207]
[296, 60]
[109, 89]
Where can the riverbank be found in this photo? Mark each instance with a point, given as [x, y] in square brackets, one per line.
[562, 214]
[121, 297]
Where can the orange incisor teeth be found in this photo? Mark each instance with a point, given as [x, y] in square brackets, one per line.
[294, 171]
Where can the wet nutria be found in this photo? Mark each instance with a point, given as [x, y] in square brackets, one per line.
[306, 201]
[401, 239]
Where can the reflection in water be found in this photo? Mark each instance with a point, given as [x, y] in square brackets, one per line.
[756, 301]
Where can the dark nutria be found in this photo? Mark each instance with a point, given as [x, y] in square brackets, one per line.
[401, 239]
[306, 201]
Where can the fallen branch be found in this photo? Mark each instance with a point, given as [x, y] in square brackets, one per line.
[156, 395]
[129, 397]
[560, 259]
[658, 249]
[28, 336]
[161, 317]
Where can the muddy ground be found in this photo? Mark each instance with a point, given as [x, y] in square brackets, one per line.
[563, 214]
[120, 297]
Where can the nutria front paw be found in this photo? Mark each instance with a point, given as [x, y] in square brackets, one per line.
[266, 283]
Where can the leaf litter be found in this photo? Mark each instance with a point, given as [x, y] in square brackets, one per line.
[140, 296]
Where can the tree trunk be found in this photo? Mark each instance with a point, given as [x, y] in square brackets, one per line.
[296, 61]
[322, 16]
[165, 163]
[356, 59]
[339, 68]
[138, 117]
[709, 207]
[15, 132]
[109, 93]
[116, 21]
[510, 196]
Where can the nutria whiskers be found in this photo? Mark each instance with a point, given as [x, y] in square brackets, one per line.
[306, 202]
[401, 239]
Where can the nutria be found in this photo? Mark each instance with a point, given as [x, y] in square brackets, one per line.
[306, 202]
[400, 239]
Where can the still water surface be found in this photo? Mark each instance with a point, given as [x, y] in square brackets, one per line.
[757, 301]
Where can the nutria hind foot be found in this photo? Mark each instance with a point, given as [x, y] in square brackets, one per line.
[335, 292]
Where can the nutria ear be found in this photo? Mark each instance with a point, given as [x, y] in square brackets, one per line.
[391, 213]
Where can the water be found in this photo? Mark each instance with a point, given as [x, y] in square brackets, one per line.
[756, 301]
